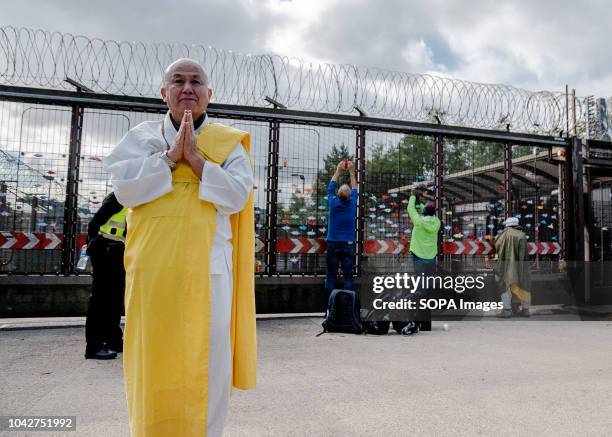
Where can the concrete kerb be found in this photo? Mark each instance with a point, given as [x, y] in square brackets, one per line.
[16, 324]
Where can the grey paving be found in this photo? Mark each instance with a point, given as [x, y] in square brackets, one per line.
[490, 378]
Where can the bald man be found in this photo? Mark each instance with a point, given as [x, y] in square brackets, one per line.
[189, 262]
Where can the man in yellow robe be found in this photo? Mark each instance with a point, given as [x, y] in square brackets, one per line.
[189, 258]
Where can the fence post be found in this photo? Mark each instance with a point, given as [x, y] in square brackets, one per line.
[507, 180]
[577, 197]
[581, 230]
[33, 213]
[360, 151]
[567, 233]
[439, 186]
[72, 191]
[272, 197]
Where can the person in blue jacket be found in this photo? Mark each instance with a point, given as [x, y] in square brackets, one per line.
[341, 229]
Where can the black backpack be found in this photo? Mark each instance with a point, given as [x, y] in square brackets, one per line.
[380, 327]
[398, 326]
[343, 313]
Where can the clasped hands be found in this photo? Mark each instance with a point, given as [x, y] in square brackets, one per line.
[345, 165]
[185, 145]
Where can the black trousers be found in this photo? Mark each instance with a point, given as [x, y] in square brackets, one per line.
[106, 301]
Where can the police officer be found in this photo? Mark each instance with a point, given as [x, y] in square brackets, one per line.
[106, 239]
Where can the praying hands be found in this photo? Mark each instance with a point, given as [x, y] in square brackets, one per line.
[185, 146]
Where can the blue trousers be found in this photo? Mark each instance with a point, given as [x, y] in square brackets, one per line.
[339, 253]
[428, 268]
[425, 266]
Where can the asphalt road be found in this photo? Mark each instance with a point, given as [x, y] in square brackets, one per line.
[489, 378]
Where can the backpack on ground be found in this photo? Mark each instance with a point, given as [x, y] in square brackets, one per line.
[406, 328]
[398, 326]
[343, 313]
[380, 327]
[409, 328]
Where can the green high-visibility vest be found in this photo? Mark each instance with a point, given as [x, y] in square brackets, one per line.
[115, 227]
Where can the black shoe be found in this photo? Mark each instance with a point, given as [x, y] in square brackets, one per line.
[116, 347]
[101, 354]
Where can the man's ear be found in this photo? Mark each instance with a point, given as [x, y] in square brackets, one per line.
[210, 93]
[162, 91]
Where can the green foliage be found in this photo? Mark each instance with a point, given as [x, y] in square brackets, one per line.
[461, 155]
[297, 205]
[330, 161]
[412, 160]
[412, 155]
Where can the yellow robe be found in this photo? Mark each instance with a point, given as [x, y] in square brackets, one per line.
[167, 300]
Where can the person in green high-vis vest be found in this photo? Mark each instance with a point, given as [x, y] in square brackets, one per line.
[423, 245]
[106, 240]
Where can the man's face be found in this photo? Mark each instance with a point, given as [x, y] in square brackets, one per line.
[186, 88]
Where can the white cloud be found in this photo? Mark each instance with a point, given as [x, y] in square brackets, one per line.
[534, 44]
[418, 56]
[291, 33]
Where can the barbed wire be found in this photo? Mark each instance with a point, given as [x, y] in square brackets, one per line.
[41, 58]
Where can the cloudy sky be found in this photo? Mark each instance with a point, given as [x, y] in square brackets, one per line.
[538, 45]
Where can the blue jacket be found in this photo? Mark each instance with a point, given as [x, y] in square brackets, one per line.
[342, 215]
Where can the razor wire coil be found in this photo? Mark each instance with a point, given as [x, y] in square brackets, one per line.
[30, 57]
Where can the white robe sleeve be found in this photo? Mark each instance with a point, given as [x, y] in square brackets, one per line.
[138, 174]
[227, 186]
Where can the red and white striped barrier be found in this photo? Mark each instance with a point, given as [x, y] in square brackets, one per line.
[478, 247]
[35, 240]
[468, 247]
[544, 248]
[259, 245]
[301, 245]
[53, 241]
[30, 240]
[383, 247]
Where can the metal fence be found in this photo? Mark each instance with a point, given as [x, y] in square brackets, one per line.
[52, 181]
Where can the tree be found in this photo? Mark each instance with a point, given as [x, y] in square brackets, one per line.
[330, 161]
[408, 161]
[461, 155]
[412, 160]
